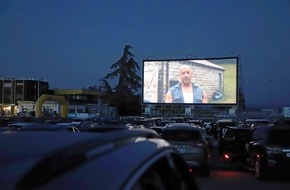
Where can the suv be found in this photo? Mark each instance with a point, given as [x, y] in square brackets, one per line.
[122, 159]
[191, 144]
[231, 145]
[269, 150]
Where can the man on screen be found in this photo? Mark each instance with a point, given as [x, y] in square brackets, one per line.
[185, 91]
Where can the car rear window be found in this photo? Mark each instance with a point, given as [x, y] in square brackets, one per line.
[228, 133]
[181, 135]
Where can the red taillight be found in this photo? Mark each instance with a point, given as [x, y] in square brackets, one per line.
[226, 156]
[190, 170]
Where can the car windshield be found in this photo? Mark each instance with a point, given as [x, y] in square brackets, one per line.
[181, 135]
[281, 137]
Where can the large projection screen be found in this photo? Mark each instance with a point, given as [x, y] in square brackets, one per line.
[215, 79]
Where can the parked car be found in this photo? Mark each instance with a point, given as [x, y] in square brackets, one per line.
[197, 122]
[121, 159]
[158, 129]
[191, 144]
[164, 123]
[31, 126]
[19, 125]
[253, 122]
[177, 119]
[208, 122]
[232, 143]
[216, 128]
[209, 138]
[269, 151]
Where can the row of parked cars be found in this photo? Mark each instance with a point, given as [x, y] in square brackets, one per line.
[260, 146]
[121, 159]
[255, 144]
[188, 138]
[123, 155]
[113, 155]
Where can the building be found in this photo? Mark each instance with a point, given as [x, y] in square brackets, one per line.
[86, 103]
[29, 97]
[13, 91]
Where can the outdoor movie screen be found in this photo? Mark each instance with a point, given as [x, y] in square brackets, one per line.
[211, 81]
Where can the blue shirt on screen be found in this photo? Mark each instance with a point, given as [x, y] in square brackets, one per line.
[177, 95]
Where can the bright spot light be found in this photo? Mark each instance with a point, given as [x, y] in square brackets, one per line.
[227, 156]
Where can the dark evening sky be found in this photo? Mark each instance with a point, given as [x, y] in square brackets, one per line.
[73, 43]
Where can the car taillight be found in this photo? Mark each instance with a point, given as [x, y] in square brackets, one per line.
[227, 157]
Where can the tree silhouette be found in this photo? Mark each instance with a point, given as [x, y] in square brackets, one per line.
[105, 86]
[125, 95]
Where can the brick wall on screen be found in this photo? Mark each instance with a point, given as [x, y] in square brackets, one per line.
[158, 76]
[210, 78]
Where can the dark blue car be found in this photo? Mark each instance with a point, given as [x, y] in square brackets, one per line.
[122, 159]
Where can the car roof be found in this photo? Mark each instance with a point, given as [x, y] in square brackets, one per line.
[238, 127]
[22, 124]
[184, 126]
[195, 121]
[42, 159]
[48, 127]
[225, 121]
[256, 119]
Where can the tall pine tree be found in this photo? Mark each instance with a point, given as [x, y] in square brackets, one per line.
[125, 95]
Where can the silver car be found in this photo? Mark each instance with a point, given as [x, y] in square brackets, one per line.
[191, 144]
